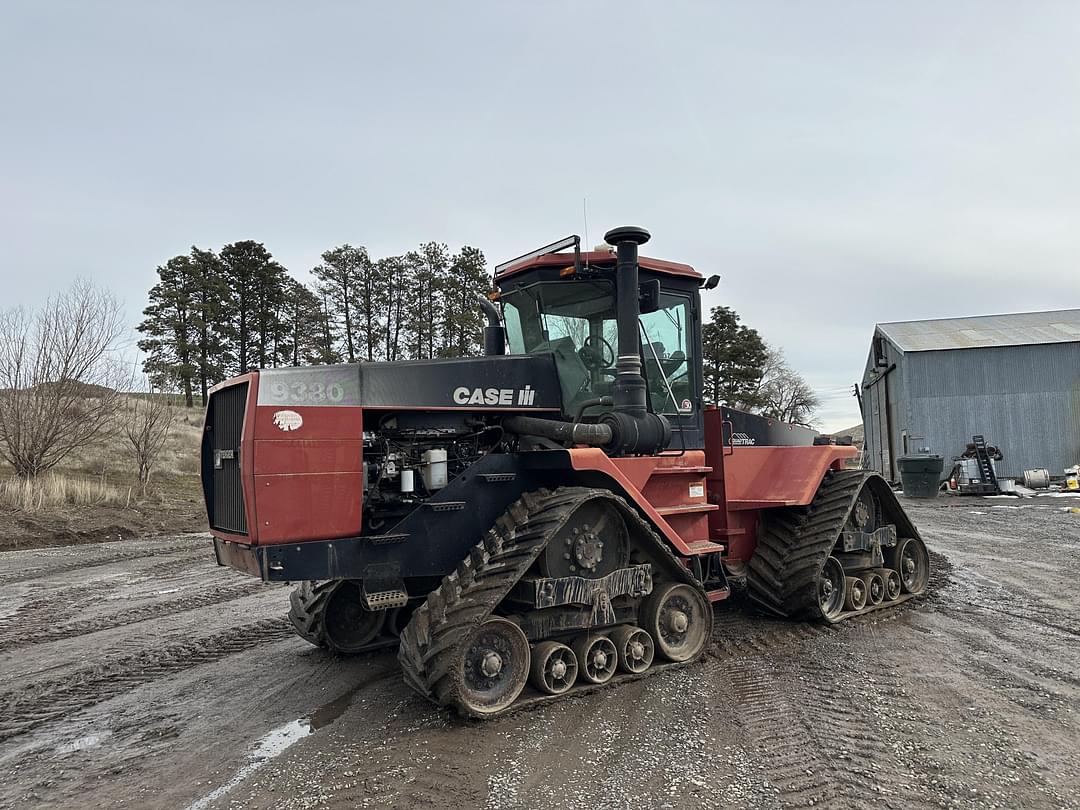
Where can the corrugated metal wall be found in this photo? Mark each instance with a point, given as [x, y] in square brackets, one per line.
[1024, 399]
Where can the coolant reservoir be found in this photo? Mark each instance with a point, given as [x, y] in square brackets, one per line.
[435, 471]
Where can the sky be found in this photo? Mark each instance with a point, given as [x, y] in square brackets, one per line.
[839, 164]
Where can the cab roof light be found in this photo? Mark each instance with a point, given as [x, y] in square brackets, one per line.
[573, 241]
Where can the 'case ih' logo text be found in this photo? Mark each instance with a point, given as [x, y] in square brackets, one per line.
[494, 396]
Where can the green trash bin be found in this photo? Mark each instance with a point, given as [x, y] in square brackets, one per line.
[920, 474]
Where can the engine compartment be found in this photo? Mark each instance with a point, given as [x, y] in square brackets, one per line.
[410, 456]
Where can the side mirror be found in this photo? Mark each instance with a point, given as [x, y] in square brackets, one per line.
[711, 282]
[649, 296]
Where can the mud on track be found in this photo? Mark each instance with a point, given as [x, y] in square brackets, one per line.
[140, 673]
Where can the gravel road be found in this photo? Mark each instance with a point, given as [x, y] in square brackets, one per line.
[139, 674]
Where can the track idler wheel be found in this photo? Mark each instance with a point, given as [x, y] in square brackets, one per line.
[679, 618]
[597, 658]
[855, 594]
[892, 583]
[912, 563]
[875, 588]
[494, 666]
[347, 623]
[635, 648]
[830, 589]
[554, 667]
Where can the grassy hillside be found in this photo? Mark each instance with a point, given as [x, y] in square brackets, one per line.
[94, 494]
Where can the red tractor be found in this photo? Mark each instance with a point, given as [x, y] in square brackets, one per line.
[559, 513]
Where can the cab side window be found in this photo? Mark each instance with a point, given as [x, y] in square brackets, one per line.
[665, 345]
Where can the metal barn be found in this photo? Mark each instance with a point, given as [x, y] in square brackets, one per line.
[1013, 378]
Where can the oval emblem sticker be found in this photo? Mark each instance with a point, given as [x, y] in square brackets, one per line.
[288, 420]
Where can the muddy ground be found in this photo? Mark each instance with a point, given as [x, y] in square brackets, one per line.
[139, 674]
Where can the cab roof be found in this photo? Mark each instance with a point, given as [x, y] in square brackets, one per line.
[596, 258]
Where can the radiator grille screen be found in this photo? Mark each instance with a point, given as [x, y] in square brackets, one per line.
[226, 427]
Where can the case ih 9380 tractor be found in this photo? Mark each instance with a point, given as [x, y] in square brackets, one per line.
[559, 513]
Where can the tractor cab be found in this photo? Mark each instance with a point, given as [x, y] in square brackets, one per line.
[566, 304]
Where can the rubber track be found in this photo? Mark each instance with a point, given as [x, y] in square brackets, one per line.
[430, 643]
[32, 706]
[794, 543]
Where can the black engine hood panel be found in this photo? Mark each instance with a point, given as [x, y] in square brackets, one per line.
[506, 382]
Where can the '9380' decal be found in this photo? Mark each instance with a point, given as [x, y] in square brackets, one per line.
[316, 385]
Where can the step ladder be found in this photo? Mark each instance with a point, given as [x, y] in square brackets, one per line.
[986, 466]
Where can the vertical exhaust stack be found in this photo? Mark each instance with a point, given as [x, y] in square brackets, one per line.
[494, 335]
[634, 429]
[629, 391]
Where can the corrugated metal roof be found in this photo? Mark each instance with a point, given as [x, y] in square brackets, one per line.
[1017, 329]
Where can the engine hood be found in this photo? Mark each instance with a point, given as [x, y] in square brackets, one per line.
[506, 382]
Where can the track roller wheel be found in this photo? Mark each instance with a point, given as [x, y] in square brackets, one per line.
[597, 658]
[554, 667]
[635, 648]
[679, 618]
[348, 626]
[855, 594]
[830, 589]
[494, 667]
[875, 587]
[892, 583]
[910, 560]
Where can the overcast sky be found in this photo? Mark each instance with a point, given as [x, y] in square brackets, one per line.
[839, 164]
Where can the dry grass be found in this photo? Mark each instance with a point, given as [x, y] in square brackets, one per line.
[55, 490]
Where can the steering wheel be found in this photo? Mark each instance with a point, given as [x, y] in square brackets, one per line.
[594, 356]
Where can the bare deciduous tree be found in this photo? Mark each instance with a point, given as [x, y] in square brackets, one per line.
[59, 376]
[146, 427]
[787, 396]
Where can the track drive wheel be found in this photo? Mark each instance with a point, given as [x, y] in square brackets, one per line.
[597, 657]
[679, 618]
[494, 666]
[554, 667]
[635, 648]
[830, 589]
[911, 561]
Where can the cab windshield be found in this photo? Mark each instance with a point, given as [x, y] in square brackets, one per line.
[575, 321]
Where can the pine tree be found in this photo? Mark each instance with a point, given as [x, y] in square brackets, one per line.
[170, 329]
[429, 267]
[463, 320]
[209, 292]
[394, 273]
[303, 339]
[270, 317]
[338, 279]
[244, 265]
[733, 357]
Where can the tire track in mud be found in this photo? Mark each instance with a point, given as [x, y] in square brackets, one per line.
[25, 709]
[73, 563]
[38, 624]
[819, 730]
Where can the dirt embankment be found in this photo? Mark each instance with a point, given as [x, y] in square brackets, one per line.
[137, 673]
[92, 496]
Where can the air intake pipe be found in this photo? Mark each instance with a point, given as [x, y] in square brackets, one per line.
[494, 335]
[634, 429]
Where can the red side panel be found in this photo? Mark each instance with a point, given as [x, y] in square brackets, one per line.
[308, 473]
[747, 479]
[669, 489]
